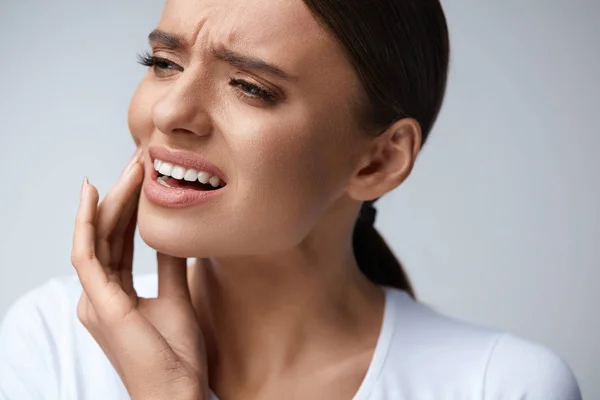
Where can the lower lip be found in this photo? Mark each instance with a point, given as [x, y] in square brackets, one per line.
[174, 197]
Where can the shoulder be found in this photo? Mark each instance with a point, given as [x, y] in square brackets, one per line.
[31, 334]
[470, 358]
[45, 319]
[46, 352]
[520, 367]
[33, 308]
[56, 298]
[49, 310]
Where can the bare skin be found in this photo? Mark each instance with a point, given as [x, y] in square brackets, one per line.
[155, 345]
[281, 307]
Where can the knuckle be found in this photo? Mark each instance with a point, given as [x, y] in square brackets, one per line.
[83, 318]
[117, 308]
[81, 257]
[104, 236]
[83, 312]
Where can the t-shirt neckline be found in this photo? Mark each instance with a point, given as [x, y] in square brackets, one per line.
[382, 345]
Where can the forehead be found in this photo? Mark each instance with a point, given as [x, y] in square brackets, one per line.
[283, 31]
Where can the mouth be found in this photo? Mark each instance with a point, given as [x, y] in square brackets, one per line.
[184, 170]
[178, 177]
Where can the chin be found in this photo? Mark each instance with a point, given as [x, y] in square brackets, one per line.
[172, 232]
[167, 245]
[186, 233]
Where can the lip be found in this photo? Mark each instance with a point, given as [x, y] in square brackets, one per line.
[177, 197]
[185, 159]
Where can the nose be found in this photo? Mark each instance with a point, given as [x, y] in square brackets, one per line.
[179, 110]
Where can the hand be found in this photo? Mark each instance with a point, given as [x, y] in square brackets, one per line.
[155, 344]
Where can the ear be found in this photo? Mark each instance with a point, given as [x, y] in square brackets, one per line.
[388, 162]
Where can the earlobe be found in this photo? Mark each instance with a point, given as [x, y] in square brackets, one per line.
[390, 161]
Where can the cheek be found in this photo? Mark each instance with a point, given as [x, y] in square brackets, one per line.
[289, 176]
[307, 158]
[139, 116]
[285, 173]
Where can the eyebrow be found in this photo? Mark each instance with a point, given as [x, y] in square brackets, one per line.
[176, 42]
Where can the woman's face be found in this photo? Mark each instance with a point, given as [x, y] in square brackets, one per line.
[288, 161]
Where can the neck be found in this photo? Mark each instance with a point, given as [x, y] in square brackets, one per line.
[265, 318]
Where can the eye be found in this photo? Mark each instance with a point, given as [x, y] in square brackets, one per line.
[162, 65]
[159, 64]
[250, 90]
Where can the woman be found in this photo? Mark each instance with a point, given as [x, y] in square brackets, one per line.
[265, 131]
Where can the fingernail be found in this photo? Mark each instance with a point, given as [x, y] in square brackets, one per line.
[134, 159]
[137, 153]
[83, 187]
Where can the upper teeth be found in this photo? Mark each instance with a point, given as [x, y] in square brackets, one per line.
[190, 175]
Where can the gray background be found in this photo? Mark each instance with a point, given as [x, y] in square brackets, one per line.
[498, 223]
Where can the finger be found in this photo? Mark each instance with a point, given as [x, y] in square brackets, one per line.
[118, 237]
[126, 263]
[84, 309]
[132, 203]
[116, 200]
[172, 277]
[112, 206]
[93, 277]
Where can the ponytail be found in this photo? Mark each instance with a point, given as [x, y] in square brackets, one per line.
[400, 50]
[375, 259]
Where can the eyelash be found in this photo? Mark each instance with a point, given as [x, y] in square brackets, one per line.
[267, 96]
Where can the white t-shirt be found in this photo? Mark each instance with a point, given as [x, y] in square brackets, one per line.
[46, 353]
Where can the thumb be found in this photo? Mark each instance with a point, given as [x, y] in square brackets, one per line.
[172, 277]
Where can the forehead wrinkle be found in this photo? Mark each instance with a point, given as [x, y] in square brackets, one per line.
[197, 29]
[262, 29]
[186, 19]
[257, 16]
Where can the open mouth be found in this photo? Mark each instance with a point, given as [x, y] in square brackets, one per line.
[178, 177]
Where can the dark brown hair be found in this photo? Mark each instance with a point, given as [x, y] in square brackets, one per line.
[400, 50]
